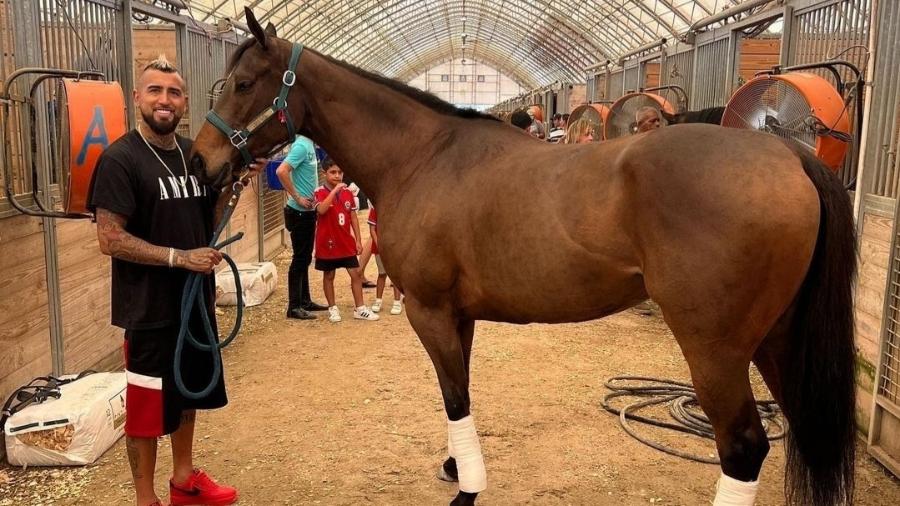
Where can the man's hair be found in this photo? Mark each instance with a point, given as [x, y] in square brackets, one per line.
[327, 163]
[521, 119]
[162, 64]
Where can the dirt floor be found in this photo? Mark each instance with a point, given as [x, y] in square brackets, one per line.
[350, 413]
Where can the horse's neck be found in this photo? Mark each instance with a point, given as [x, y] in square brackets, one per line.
[378, 136]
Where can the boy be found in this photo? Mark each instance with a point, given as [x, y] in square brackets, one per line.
[337, 240]
[397, 308]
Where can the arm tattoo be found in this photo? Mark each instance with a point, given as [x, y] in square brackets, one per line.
[116, 242]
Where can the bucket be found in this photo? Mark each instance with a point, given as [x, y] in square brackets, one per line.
[272, 180]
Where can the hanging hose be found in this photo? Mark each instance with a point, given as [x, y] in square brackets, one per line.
[684, 408]
[192, 296]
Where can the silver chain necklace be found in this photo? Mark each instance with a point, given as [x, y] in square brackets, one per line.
[183, 161]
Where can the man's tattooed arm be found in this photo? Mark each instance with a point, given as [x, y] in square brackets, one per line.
[116, 242]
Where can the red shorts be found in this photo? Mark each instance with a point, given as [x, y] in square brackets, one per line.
[154, 405]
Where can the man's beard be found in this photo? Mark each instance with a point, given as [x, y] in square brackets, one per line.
[161, 128]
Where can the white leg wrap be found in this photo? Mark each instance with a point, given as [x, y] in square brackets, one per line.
[465, 448]
[731, 492]
[450, 451]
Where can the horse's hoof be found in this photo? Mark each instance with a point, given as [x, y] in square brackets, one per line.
[464, 499]
[444, 476]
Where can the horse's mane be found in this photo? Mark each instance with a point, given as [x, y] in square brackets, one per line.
[423, 97]
[712, 115]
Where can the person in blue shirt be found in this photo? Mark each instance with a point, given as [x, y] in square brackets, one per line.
[298, 174]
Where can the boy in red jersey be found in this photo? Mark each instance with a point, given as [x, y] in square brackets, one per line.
[337, 240]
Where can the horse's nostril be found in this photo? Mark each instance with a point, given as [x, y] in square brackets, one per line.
[197, 165]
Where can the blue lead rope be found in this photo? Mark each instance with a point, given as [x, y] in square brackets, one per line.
[192, 296]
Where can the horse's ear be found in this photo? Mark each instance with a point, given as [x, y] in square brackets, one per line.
[670, 118]
[270, 30]
[255, 28]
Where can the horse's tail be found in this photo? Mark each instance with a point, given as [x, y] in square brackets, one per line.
[819, 389]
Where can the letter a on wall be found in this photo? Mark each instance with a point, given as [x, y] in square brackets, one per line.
[96, 118]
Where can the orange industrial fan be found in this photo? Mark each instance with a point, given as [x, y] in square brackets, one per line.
[797, 105]
[595, 114]
[620, 121]
[536, 112]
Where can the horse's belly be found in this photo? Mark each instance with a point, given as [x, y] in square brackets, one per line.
[558, 295]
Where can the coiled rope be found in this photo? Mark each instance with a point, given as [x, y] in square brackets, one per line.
[192, 296]
[684, 408]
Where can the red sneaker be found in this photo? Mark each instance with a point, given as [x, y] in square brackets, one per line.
[200, 489]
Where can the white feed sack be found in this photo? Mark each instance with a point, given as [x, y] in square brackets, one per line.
[75, 429]
[258, 281]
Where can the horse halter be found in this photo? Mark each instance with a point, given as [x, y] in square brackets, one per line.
[240, 137]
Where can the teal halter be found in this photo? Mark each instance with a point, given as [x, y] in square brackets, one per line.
[279, 108]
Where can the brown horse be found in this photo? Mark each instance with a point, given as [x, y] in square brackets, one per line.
[746, 242]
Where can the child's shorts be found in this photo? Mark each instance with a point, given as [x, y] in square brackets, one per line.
[381, 271]
[333, 264]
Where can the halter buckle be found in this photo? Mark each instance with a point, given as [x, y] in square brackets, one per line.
[289, 78]
[238, 139]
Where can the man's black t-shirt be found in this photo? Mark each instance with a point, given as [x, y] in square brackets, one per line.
[161, 209]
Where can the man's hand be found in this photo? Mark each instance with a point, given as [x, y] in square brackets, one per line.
[255, 168]
[305, 202]
[202, 260]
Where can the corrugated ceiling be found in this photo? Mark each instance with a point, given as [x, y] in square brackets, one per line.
[536, 42]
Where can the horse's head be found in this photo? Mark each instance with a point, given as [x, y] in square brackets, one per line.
[256, 111]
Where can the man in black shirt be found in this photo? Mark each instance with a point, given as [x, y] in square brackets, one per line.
[154, 219]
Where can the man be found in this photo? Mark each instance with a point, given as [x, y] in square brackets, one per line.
[299, 173]
[557, 132]
[154, 220]
[647, 118]
[520, 119]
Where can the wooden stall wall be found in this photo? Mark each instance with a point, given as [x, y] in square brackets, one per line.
[874, 259]
[578, 96]
[755, 56]
[24, 321]
[651, 75]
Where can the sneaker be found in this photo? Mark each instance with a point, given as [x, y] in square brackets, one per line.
[397, 308]
[201, 489]
[334, 315]
[364, 313]
[376, 306]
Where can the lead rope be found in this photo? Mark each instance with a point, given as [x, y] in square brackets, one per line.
[192, 296]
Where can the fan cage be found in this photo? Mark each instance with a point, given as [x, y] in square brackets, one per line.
[621, 122]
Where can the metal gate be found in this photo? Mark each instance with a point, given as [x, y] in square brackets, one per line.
[712, 62]
[834, 30]
[632, 76]
[678, 69]
[206, 57]
[616, 84]
[883, 145]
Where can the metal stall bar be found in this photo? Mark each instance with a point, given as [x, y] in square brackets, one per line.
[678, 69]
[826, 30]
[616, 84]
[711, 70]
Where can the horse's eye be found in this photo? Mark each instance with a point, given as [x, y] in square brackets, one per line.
[244, 85]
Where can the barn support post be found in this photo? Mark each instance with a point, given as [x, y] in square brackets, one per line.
[125, 50]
